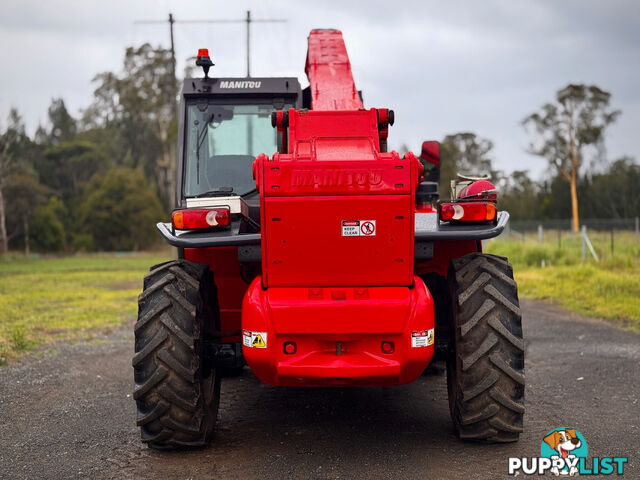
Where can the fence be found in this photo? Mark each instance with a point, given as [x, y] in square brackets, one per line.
[599, 224]
[611, 235]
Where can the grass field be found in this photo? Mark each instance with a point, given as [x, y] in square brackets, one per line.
[46, 299]
[554, 270]
[53, 298]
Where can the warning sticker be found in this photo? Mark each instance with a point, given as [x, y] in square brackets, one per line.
[422, 338]
[254, 339]
[358, 228]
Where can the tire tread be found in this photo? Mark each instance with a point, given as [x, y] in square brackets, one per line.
[174, 311]
[485, 370]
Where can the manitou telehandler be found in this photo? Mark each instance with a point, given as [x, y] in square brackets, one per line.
[310, 252]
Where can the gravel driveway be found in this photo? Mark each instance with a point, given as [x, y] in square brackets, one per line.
[71, 415]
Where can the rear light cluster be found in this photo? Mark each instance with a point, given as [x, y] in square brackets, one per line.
[200, 218]
[467, 212]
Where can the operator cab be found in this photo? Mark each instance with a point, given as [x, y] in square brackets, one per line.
[222, 140]
[224, 124]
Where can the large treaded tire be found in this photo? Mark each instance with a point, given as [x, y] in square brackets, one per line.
[485, 366]
[177, 390]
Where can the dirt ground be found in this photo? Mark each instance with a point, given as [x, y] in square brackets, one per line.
[71, 415]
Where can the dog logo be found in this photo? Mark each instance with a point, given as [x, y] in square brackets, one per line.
[564, 446]
[563, 451]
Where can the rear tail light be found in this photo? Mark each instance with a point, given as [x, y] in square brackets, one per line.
[200, 218]
[467, 212]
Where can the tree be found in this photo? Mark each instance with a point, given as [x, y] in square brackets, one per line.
[555, 198]
[9, 143]
[63, 125]
[614, 193]
[24, 195]
[141, 104]
[463, 153]
[64, 167]
[563, 130]
[519, 195]
[48, 230]
[120, 211]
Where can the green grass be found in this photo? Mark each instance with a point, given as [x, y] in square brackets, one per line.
[68, 298]
[608, 289]
[46, 299]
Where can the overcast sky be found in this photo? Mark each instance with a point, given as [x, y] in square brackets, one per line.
[444, 67]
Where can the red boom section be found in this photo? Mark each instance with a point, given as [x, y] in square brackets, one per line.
[329, 72]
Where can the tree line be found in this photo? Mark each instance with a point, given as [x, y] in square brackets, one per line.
[605, 190]
[102, 180]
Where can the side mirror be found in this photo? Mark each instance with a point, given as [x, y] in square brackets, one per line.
[430, 158]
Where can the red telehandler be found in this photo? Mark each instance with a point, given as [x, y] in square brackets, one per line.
[328, 263]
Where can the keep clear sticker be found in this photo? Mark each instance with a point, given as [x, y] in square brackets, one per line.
[358, 228]
[422, 338]
[254, 339]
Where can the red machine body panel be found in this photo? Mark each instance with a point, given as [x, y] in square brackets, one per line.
[307, 245]
[338, 338]
[231, 287]
[336, 211]
[443, 253]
